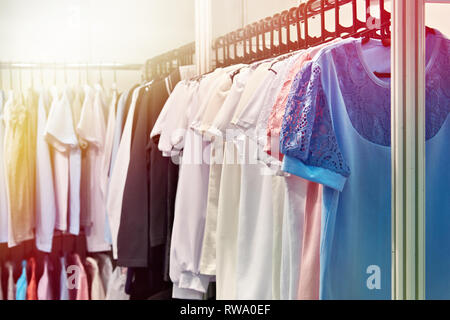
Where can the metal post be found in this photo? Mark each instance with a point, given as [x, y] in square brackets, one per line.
[408, 149]
[203, 35]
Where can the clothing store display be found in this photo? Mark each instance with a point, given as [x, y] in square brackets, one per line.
[268, 177]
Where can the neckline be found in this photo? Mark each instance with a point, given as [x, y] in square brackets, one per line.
[387, 84]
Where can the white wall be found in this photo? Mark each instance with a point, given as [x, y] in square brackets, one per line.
[95, 31]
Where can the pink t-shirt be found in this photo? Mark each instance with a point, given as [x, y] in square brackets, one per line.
[308, 287]
[277, 114]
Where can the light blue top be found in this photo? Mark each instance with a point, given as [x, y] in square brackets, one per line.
[22, 283]
[336, 131]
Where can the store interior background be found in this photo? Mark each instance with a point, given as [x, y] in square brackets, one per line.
[125, 31]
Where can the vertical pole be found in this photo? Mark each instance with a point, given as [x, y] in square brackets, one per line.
[203, 35]
[408, 149]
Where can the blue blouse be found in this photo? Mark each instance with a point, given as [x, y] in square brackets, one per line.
[336, 131]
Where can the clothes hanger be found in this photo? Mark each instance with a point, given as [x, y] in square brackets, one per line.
[42, 75]
[387, 43]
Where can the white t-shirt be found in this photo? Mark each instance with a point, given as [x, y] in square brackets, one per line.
[45, 190]
[119, 174]
[92, 129]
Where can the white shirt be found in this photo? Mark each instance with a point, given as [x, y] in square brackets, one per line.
[3, 192]
[92, 129]
[45, 190]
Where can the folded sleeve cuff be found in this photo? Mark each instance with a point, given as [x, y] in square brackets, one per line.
[185, 294]
[316, 174]
[197, 282]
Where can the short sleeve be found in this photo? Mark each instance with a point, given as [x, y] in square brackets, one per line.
[59, 131]
[307, 136]
[92, 121]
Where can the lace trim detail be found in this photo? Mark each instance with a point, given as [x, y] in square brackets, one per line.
[307, 131]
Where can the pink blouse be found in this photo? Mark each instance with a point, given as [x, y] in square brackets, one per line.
[277, 114]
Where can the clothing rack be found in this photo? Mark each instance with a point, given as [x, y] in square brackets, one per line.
[272, 36]
[163, 64]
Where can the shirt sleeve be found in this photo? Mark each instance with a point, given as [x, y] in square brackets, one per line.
[92, 127]
[308, 139]
[59, 131]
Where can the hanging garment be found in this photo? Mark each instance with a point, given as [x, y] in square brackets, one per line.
[229, 190]
[97, 292]
[44, 289]
[355, 235]
[10, 285]
[116, 286]
[214, 101]
[75, 167]
[32, 283]
[151, 207]
[18, 168]
[309, 282]
[277, 113]
[190, 204]
[21, 285]
[256, 198]
[3, 178]
[118, 124]
[77, 279]
[45, 191]
[63, 282]
[1, 284]
[161, 142]
[119, 174]
[60, 134]
[91, 128]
